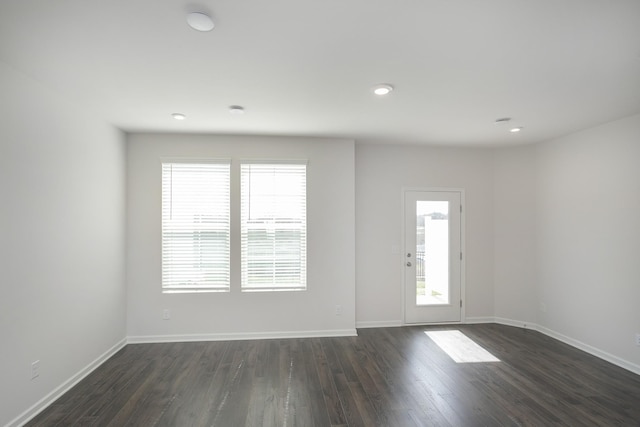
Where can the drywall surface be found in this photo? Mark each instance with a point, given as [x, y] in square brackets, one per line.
[514, 225]
[382, 171]
[588, 237]
[62, 219]
[236, 314]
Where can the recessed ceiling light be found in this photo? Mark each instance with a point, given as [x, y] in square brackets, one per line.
[199, 21]
[517, 129]
[178, 116]
[236, 109]
[382, 89]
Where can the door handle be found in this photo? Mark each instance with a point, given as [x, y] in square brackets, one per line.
[408, 264]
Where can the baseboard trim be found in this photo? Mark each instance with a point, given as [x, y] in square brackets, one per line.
[601, 354]
[379, 324]
[591, 350]
[517, 323]
[67, 385]
[239, 336]
[43, 403]
[475, 320]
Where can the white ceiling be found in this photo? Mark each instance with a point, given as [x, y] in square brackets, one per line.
[305, 67]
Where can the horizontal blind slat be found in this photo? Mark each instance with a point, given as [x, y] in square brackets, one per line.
[195, 226]
[273, 226]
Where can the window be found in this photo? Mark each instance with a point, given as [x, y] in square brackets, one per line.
[273, 226]
[195, 226]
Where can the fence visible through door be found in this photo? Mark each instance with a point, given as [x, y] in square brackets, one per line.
[433, 256]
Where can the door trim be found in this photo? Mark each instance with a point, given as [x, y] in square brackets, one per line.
[463, 263]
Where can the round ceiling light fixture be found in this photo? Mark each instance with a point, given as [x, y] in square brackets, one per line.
[516, 129]
[382, 89]
[200, 22]
[178, 116]
[236, 109]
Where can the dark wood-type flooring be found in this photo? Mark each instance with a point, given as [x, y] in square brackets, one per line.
[383, 377]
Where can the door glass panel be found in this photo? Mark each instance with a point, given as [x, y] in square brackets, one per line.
[432, 253]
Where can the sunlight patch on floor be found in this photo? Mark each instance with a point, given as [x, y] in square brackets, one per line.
[460, 348]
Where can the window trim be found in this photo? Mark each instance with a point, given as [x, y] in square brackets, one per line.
[302, 284]
[175, 288]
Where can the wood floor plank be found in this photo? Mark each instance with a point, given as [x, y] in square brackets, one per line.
[384, 377]
[327, 385]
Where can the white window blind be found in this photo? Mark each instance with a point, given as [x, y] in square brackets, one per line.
[273, 226]
[195, 226]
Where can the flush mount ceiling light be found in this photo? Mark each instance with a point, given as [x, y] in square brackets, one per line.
[199, 21]
[236, 109]
[178, 116]
[507, 121]
[382, 89]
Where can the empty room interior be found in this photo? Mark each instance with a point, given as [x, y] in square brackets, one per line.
[388, 179]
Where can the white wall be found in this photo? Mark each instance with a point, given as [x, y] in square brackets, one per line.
[331, 243]
[552, 237]
[382, 170]
[62, 240]
[588, 245]
[514, 225]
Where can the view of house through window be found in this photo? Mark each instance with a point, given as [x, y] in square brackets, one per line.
[196, 232]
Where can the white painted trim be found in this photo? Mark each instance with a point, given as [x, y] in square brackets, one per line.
[379, 324]
[475, 320]
[241, 336]
[67, 385]
[43, 403]
[463, 248]
[433, 324]
[601, 354]
[516, 323]
[591, 350]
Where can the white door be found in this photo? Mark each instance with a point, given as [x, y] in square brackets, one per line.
[433, 256]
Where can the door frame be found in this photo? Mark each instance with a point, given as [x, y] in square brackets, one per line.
[462, 249]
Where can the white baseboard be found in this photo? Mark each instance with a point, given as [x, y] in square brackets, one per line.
[574, 343]
[474, 320]
[65, 386]
[379, 324]
[516, 323]
[591, 350]
[241, 336]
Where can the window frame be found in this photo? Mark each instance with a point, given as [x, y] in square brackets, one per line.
[199, 238]
[297, 257]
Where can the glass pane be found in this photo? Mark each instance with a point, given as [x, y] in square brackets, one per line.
[273, 226]
[432, 253]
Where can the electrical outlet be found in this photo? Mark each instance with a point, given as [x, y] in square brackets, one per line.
[338, 310]
[166, 314]
[35, 369]
[638, 339]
